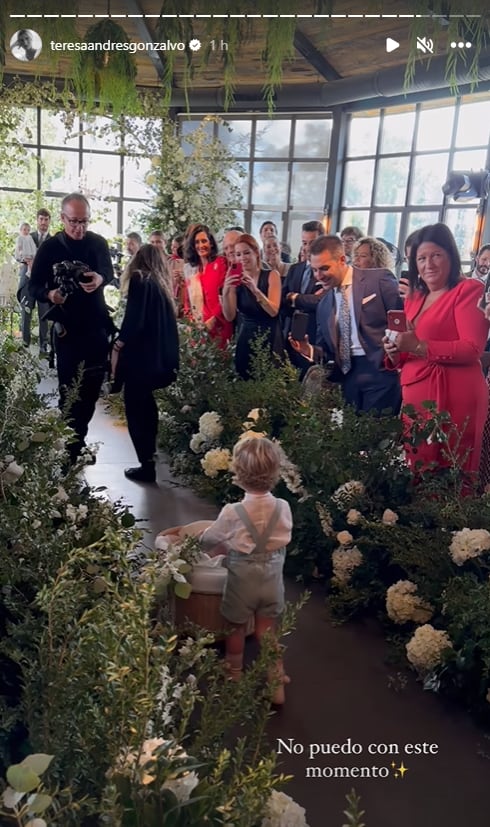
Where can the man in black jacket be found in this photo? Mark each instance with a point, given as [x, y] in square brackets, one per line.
[82, 325]
[27, 303]
[300, 291]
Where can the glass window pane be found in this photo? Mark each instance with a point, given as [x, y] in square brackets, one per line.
[392, 177]
[435, 128]
[312, 138]
[135, 170]
[143, 135]
[99, 133]
[461, 221]
[272, 138]
[270, 184]
[429, 174]
[308, 185]
[53, 130]
[132, 211]
[398, 132]
[236, 136]
[470, 159]
[296, 219]
[241, 181]
[104, 217]
[23, 174]
[27, 129]
[100, 175]
[355, 218]
[416, 220]
[387, 226]
[358, 183]
[59, 170]
[258, 218]
[363, 136]
[473, 124]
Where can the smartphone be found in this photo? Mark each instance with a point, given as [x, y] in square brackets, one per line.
[299, 325]
[236, 270]
[397, 320]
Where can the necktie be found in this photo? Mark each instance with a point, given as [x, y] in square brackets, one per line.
[305, 279]
[41, 238]
[344, 330]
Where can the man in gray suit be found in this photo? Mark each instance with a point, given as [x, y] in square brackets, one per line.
[27, 302]
[351, 322]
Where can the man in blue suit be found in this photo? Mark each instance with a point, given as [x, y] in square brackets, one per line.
[351, 322]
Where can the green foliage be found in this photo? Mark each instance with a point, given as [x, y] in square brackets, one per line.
[105, 80]
[353, 813]
[191, 186]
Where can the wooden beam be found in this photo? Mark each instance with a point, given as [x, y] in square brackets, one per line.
[311, 54]
[146, 35]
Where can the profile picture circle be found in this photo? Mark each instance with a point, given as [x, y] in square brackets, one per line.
[25, 45]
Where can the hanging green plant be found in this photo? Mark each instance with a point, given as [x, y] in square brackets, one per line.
[105, 79]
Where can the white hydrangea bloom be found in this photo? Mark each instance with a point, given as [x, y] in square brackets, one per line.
[337, 417]
[354, 516]
[403, 603]
[214, 460]
[210, 425]
[345, 538]
[12, 472]
[291, 476]
[197, 443]
[425, 648]
[389, 517]
[282, 811]
[345, 493]
[344, 561]
[468, 543]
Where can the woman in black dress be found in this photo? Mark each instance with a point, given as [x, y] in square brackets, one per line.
[255, 297]
[145, 356]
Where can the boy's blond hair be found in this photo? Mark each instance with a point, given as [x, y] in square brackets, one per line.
[256, 464]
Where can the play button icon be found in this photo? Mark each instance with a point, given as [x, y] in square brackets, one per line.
[391, 44]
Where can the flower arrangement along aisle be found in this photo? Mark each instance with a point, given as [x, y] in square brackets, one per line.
[416, 556]
[125, 721]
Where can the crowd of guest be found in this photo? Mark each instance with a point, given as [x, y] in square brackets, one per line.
[386, 342]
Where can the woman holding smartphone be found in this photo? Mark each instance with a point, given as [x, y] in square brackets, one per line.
[439, 355]
[254, 297]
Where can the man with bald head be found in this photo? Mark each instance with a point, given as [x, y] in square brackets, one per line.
[229, 240]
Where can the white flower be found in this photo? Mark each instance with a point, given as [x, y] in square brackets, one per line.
[290, 474]
[344, 561]
[337, 417]
[345, 493]
[252, 418]
[61, 496]
[345, 538]
[182, 786]
[36, 524]
[71, 512]
[425, 648]
[389, 517]
[185, 409]
[197, 443]
[12, 472]
[210, 425]
[354, 516]
[214, 460]
[403, 604]
[468, 543]
[282, 811]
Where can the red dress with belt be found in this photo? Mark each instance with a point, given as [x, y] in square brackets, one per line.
[212, 278]
[455, 331]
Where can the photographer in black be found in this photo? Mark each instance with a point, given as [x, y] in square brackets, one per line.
[82, 325]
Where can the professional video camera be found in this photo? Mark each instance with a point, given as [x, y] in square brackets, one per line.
[68, 275]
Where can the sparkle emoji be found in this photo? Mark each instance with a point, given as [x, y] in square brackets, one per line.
[400, 771]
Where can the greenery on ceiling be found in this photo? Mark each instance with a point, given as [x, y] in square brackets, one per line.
[106, 82]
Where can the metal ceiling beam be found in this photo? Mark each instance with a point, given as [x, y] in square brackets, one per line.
[146, 36]
[315, 58]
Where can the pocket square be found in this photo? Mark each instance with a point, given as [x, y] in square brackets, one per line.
[369, 298]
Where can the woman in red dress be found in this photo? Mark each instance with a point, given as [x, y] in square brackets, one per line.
[439, 355]
[202, 252]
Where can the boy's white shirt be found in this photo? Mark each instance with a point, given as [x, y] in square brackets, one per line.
[228, 530]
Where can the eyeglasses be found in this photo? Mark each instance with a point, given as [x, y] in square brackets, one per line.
[347, 238]
[76, 222]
